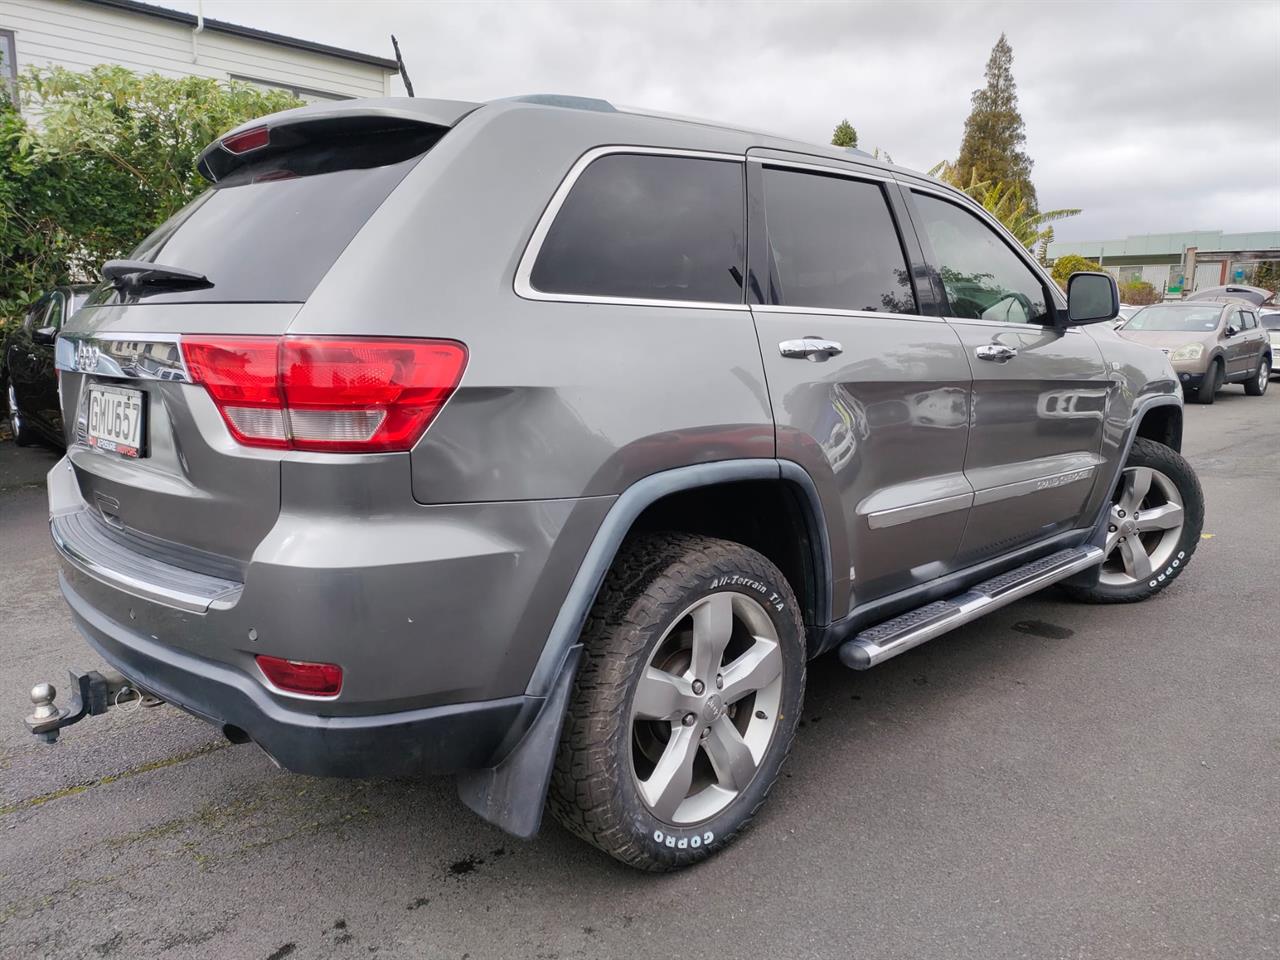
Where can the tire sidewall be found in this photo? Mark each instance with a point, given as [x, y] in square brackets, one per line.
[1173, 466]
[677, 845]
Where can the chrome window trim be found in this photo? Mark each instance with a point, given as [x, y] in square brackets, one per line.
[121, 355]
[1010, 326]
[840, 171]
[523, 283]
[966, 203]
[837, 312]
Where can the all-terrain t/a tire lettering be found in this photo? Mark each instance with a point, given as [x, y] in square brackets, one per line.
[645, 709]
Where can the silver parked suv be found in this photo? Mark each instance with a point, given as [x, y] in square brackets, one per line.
[543, 443]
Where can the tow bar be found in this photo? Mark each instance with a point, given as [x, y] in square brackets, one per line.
[94, 693]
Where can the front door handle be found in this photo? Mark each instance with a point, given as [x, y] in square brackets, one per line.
[813, 349]
[995, 352]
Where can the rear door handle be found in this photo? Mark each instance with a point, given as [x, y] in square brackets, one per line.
[995, 352]
[813, 349]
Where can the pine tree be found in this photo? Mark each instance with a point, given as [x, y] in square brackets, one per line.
[993, 135]
[844, 135]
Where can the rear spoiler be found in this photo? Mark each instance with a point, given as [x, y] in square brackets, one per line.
[287, 130]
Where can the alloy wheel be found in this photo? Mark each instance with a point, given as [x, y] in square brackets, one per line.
[1264, 376]
[706, 708]
[1144, 527]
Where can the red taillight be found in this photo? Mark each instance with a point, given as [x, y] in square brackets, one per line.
[336, 394]
[301, 676]
[247, 140]
[242, 374]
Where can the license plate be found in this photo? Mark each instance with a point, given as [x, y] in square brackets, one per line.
[115, 420]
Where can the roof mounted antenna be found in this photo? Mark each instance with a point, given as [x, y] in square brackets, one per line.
[404, 74]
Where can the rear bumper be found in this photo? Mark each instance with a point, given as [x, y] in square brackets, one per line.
[421, 606]
[441, 739]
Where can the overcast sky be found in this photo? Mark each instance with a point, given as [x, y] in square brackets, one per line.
[1152, 116]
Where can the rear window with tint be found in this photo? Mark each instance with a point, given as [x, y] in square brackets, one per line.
[270, 232]
[648, 228]
[833, 244]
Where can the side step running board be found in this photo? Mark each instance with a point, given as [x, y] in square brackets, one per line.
[884, 640]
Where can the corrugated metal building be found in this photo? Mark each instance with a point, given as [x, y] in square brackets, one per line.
[1206, 258]
[78, 34]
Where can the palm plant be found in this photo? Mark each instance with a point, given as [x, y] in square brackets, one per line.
[1006, 203]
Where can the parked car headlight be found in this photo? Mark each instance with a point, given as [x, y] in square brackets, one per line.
[1188, 351]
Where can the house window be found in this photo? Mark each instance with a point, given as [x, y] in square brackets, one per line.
[305, 94]
[8, 65]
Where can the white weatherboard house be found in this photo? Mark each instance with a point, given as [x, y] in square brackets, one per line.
[78, 34]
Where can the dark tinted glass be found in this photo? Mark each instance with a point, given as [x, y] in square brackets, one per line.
[265, 240]
[1271, 321]
[650, 228]
[834, 244]
[983, 277]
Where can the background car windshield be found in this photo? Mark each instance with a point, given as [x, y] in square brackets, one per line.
[1271, 322]
[1176, 316]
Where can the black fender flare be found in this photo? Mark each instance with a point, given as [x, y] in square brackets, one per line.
[511, 794]
[1099, 535]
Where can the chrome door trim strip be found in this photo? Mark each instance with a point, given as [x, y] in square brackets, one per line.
[523, 283]
[1034, 485]
[918, 511]
[128, 356]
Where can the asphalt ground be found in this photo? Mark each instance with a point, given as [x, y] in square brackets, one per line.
[1054, 781]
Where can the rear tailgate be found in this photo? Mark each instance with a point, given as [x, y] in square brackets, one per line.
[191, 484]
[240, 260]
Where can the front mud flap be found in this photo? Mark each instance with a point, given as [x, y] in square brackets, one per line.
[512, 794]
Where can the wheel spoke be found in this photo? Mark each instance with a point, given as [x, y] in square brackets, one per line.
[1137, 482]
[1136, 562]
[712, 628]
[729, 755]
[669, 783]
[1165, 517]
[663, 696]
[755, 669]
[1113, 540]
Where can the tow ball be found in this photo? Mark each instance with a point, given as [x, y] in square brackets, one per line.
[93, 693]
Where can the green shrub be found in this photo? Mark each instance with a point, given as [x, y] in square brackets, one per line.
[112, 157]
[1071, 263]
[1139, 293]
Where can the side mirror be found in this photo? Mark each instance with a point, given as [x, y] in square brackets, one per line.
[1092, 298]
[1232, 332]
[44, 335]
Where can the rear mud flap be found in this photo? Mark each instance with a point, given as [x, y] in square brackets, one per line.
[512, 794]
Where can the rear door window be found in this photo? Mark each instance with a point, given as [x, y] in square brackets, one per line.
[833, 244]
[648, 227]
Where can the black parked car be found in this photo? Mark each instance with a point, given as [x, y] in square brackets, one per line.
[27, 371]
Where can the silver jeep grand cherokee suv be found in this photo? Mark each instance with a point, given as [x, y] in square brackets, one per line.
[543, 443]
